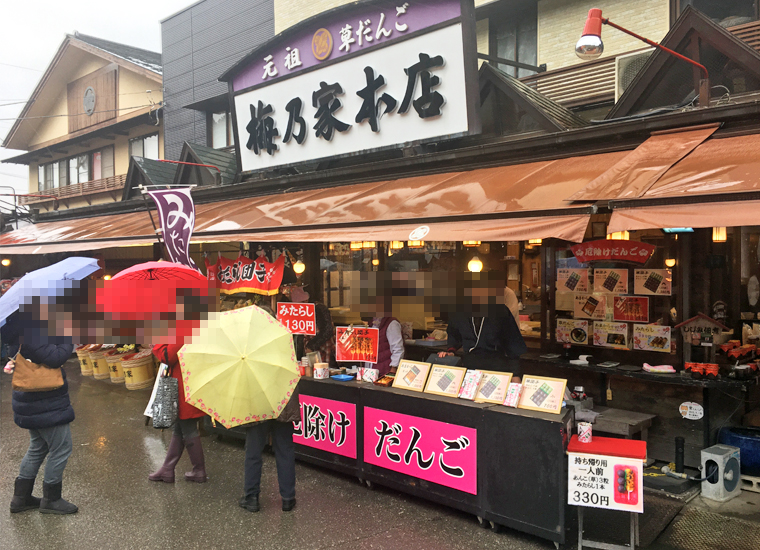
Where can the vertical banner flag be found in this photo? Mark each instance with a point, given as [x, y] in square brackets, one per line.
[176, 212]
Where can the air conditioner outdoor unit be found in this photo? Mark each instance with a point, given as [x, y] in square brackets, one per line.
[721, 468]
[627, 67]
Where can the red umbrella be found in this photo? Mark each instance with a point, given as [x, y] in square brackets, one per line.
[149, 292]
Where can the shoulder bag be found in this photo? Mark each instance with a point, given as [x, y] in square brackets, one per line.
[31, 377]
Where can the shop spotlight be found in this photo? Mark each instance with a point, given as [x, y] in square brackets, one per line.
[299, 267]
[619, 236]
[470, 244]
[719, 234]
[6, 262]
[590, 45]
[475, 265]
[670, 262]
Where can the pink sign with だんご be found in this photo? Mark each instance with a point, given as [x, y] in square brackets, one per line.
[438, 452]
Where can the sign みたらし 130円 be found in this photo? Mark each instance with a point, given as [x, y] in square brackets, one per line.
[438, 452]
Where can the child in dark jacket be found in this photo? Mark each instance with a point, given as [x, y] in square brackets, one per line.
[47, 416]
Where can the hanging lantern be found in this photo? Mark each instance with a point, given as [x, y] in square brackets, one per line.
[475, 265]
[619, 236]
[535, 241]
[470, 244]
[299, 267]
[415, 244]
[719, 234]
[355, 245]
[397, 245]
[368, 244]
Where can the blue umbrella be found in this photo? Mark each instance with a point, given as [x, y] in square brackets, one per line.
[49, 281]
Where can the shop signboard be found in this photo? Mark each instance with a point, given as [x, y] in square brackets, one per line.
[327, 425]
[572, 331]
[651, 338]
[631, 309]
[613, 251]
[257, 276]
[574, 280]
[297, 318]
[608, 482]
[590, 306]
[614, 281]
[653, 282]
[359, 78]
[611, 335]
[442, 453]
[356, 344]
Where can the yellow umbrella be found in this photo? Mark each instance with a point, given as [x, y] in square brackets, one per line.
[240, 368]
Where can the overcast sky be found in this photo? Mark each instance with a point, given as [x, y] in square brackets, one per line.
[34, 29]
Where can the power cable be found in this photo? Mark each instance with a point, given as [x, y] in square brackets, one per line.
[20, 67]
[94, 112]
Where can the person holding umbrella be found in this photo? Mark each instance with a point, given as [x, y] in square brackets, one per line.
[37, 324]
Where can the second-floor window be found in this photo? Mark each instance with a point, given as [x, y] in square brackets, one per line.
[514, 35]
[144, 146]
[221, 130]
[727, 13]
[93, 165]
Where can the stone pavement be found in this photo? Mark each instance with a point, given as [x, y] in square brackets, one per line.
[120, 509]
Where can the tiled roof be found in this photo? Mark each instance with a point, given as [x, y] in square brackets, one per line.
[144, 58]
[224, 160]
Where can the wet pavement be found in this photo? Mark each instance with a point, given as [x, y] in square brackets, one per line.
[119, 508]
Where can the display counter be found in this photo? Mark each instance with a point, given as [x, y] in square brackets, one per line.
[501, 464]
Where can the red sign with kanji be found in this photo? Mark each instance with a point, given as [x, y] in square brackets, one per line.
[297, 318]
[356, 344]
[613, 250]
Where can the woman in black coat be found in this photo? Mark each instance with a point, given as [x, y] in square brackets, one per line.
[46, 415]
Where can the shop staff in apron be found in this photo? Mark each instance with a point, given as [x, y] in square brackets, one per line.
[485, 329]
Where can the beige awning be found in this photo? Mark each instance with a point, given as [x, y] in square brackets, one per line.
[517, 202]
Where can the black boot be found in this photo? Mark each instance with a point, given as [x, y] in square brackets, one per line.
[52, 503]
[22, 496]
[288, 504]
[250, 503]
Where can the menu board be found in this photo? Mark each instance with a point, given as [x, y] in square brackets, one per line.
[653, 282]
[356, 344]
[611, 335]
[572, 331]
[590, 306]
[575, 280]
[651, 338]
[445, 380]
[614, 281]
[542, 394]
[493, 387]
[630, 308]
[411, 375]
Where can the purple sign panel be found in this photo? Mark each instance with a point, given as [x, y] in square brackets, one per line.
[176, 211]
[345, 34]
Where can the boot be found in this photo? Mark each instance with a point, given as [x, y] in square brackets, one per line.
[22, 496]
[288, 504]
[250, 503]
[166, 472]
[52, 503]
[195, 452]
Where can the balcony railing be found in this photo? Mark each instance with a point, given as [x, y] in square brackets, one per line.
[114, 183]
[594, 82]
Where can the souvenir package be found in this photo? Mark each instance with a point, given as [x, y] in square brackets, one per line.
[370, 375]
[470, 385]
[513, 394]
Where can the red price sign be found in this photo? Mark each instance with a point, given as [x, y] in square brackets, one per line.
[297, 318]
[357, 344]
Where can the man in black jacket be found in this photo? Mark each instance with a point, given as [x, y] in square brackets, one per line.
[46, 415]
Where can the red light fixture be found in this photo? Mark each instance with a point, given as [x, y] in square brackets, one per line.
[590, 46]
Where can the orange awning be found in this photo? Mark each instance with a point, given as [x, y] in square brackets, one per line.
[517, 202]
[640, 169]
[706, 214]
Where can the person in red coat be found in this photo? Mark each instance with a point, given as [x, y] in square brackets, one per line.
[185, 435]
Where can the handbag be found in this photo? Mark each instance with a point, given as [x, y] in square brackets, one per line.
[166, 403]
[31, 377]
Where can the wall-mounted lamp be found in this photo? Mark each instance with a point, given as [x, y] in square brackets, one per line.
[475, 265]
[590, 46]
[670, 262]
[719, 234]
